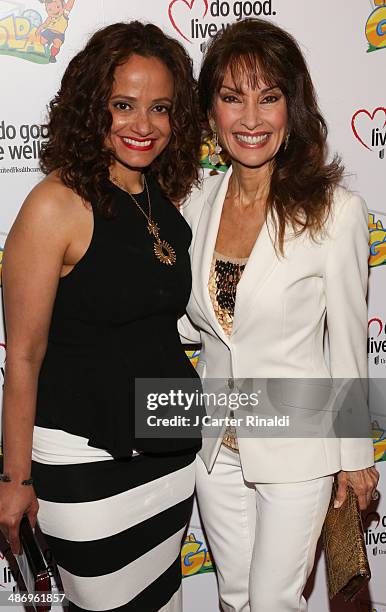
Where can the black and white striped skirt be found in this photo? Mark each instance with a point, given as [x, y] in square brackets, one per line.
[114, 526]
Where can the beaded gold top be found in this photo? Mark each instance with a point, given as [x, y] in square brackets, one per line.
[224, 276]
[225, 273]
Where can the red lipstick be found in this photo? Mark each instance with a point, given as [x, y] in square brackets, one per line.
[139, 147]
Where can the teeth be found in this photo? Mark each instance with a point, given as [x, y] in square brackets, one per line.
[252, 140]
[138, 143]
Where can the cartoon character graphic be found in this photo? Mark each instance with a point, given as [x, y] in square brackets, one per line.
[193, 355]
[377, 233]
[207, 149]
[379, 438]
[375, 26]
[195, 557]
[52, 30]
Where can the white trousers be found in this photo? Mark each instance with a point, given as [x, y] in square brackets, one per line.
[262, 537]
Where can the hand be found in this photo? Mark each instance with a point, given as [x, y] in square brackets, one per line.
[364, 482]
[15, 500]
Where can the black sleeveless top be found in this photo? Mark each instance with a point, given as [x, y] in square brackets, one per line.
[115, 319]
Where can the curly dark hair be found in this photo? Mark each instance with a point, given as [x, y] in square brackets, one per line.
[302, 182]
[80, 121]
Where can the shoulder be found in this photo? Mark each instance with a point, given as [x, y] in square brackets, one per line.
[348, 203]
[206, 190]
[50, 207]
[51, 197]
[348, 211]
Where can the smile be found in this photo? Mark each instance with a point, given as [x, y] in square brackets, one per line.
[138, 145]
[252, 140]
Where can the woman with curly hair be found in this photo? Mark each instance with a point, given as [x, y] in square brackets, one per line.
[96, 274]
[279, 256]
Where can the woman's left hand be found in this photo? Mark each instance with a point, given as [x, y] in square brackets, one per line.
[364, 482]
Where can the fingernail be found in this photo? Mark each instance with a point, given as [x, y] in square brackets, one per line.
[337, 504]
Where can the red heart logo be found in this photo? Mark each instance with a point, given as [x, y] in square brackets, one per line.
[190, 6]
[378, 322]
[372, 117]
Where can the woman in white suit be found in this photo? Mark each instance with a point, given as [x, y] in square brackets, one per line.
[279, 255]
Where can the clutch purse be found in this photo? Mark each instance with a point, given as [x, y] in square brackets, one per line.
[32, 565]
[348, 568]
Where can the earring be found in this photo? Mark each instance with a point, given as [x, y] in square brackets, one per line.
[214, 157]
[286, 141]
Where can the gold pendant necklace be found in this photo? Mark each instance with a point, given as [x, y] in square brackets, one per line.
[162, 249]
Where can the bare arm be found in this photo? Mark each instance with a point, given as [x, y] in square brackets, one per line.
[33, 260]
[69, 5]
[44, 25]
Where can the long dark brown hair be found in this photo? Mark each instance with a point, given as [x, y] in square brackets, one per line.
[302, 181]
[80, 121]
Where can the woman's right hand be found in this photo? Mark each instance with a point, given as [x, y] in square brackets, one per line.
[15, 500]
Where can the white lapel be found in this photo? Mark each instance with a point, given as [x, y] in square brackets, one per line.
[260, 265]
[202, 253]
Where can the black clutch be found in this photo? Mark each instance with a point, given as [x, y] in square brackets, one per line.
[32, 565]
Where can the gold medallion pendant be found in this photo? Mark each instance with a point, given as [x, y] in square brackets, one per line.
[162, 249]
[164, 252]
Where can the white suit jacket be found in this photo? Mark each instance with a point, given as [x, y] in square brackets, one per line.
[282, 306]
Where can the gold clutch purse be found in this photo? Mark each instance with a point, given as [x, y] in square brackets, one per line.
[345, 549]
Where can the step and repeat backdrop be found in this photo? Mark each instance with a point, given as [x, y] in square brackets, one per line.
[345, 45]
